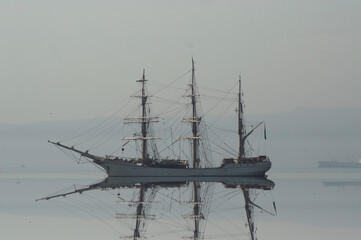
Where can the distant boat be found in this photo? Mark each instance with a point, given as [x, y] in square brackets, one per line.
[342, 184]
[337, 164]
[150, 164]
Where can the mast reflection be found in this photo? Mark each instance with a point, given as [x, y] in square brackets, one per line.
[202, 193]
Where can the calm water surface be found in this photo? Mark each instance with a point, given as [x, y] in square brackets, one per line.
[309, 204]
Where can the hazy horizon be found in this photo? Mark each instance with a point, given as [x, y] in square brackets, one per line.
[294, 140]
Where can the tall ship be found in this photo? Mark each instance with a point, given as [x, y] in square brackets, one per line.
[151, 164]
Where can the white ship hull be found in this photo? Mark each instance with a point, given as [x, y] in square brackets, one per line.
[127, 169]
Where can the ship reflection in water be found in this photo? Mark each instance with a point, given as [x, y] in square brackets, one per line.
[180, 208]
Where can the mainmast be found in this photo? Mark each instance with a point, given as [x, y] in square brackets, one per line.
[196, 210]
[139, 214]
[144, 117]
[241, 154]
[196, 185]
[195, 120]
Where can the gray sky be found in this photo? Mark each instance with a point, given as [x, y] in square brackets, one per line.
[77, 58]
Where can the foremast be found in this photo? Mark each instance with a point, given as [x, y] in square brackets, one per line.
[145, 121]
[241, 152]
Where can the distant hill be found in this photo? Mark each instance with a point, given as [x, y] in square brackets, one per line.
[315, 122]
[6, 126]
[301, 137]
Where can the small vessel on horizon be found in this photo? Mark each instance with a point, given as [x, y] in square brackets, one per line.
[338, 164]
[152, 165]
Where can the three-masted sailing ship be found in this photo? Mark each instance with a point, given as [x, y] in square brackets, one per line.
[154, 166]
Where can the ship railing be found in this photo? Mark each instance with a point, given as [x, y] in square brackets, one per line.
[261, 158]
[140, 160]
[125, 159]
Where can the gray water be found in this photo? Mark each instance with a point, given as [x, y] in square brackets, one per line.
[306, 207]
[311, 203]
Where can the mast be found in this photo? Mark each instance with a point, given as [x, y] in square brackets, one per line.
[196, 185]
[241, 154]
[144, 120]
[139, 214]
[196, 210]
[144, 117]
[249, 212]
[195, 121]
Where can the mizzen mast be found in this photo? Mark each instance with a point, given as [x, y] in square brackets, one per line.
[241, 153]
[249, 212]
